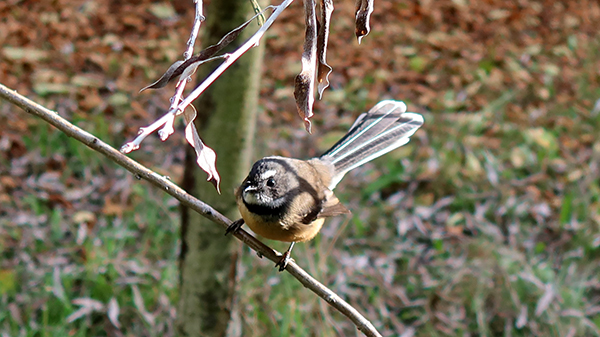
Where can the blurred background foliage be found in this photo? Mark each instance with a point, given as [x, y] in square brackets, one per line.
[486, 224]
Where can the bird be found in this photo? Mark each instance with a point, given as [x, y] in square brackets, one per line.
[288, 199]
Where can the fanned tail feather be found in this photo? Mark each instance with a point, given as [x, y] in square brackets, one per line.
[384, 128]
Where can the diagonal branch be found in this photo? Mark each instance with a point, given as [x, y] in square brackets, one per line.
[188, 200]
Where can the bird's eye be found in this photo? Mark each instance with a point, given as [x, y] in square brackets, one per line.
[271, 182]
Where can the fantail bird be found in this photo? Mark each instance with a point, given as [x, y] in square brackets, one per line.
[288, 199]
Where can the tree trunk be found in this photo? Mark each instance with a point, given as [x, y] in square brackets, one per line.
[226, 121]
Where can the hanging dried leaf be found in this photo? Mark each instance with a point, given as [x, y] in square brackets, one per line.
[305, 81]
[189, 66]
[206, 157]
[364, 8]
[324, 69]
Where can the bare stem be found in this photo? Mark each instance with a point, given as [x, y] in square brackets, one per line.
[177, 105]
[168, 129]
[198, 19]
[249, 44]
[187, 200]
[167, 121]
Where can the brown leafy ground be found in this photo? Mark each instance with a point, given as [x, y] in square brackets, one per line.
[488, 223]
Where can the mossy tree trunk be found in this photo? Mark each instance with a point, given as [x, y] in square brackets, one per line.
[226, 121]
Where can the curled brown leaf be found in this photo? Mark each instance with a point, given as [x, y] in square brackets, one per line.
[305, 81]
[165, 78]
[189, 66]
[324, 69]
[364, 8]
[206, 157]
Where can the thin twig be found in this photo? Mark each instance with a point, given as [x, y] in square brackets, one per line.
[188, 200]
[168, 129]
[250, 43]
[198, 19]
[167, 120]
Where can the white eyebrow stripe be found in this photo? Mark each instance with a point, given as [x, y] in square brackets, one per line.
[267, 174]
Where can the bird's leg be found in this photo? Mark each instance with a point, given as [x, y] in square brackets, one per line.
[285, 258]
[237, 224]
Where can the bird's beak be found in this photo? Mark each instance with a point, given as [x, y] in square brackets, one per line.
[249, 194]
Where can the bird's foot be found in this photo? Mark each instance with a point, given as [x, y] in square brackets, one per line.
[285, 258]
[235, 226]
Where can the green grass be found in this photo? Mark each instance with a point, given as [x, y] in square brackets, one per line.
[47, 263]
